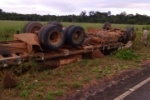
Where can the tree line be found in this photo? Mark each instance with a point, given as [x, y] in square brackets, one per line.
[91, 17]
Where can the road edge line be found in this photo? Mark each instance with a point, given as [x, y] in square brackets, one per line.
[121, 97]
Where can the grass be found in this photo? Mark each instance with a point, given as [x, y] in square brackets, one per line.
[24, 93]
[126, 54]
[51, 84]
[76, 85]
[51, 94]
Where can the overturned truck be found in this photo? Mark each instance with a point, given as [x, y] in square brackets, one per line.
[58, 45]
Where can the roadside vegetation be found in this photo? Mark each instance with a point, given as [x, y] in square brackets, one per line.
[52, 84]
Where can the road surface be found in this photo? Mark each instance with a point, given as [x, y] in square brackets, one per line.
[134, 88]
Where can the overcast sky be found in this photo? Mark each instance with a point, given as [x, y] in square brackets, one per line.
[67, 7]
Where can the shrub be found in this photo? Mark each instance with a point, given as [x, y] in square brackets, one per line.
[126, 54]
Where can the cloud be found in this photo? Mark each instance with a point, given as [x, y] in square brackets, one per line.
[140, 5]
[66, 7]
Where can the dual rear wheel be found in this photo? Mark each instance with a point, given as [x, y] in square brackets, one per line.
[52, 36]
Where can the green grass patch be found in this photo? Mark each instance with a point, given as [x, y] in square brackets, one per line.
[76, 85]
[61, 84]
[24, 93]
[126, 54]
[52, 94]
[86, 79]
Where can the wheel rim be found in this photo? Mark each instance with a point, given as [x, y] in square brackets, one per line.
[78, 36]
[35, 30]
[108, 26]
[55, 37]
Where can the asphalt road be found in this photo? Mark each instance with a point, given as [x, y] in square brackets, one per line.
[142, 93]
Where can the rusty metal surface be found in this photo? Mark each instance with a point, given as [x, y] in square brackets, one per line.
[105, 36]
[24, 44]
[6, 49]
[12, 59]
[30, 39]
[5, 61]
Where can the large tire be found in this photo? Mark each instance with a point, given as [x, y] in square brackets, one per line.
[75, 35]
[25, 26]
[40, 34]
[56, 23]
[51, 37]
[130, 35]
[67, 28]
[106, 26]
[32, 27]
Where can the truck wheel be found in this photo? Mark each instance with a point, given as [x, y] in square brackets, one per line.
[24, 29]
[130, 35]
[75, 35]
[32, 27]
[52, 37]
[56, 23]
[106, 25]
[40, 34]
[67, 28]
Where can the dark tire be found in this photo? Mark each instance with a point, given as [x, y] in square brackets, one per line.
[25, 26]
[40, 34]
[106, 25]
[32, 27]
[75, 35]
[130, 35]
[67, 28]
[52, 37]
[56, 23]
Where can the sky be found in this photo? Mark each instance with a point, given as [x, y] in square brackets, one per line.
[69, 7]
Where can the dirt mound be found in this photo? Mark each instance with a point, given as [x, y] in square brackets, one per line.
[97, 54]
[9, 81]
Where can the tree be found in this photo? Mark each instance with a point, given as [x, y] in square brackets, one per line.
[83, 16]
[91, 13]
[83, 13]
[130, 15]
[109, 13]
[94, 17]
[1, 11]
[123, 13]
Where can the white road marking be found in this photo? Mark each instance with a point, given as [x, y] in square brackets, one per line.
[121, 97]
